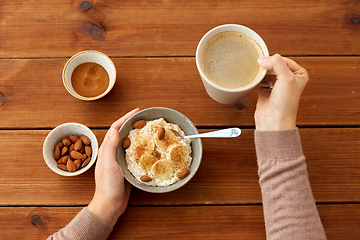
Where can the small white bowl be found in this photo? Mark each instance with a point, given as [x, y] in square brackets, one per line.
[171, 116]
[60, 132]
[83, 57]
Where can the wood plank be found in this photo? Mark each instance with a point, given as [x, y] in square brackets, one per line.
[34, 95]
[191, 222]
[174, 28]
[227, 175]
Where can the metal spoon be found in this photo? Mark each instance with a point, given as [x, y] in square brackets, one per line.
[224, 133]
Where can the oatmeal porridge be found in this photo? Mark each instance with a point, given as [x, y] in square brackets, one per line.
[155, 155]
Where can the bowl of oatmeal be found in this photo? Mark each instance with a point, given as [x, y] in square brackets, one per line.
[152, 157]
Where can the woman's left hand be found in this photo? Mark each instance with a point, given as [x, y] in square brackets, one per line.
[112, 192]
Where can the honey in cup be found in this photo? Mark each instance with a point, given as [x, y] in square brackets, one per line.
[229, 60]
[90, 79]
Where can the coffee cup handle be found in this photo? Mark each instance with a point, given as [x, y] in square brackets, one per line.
[265, 83]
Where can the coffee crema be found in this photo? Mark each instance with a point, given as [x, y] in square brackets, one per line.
[229, 60]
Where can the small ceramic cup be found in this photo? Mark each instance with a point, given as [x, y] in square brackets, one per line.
[216, 92]
[83, 57]
[60, 132]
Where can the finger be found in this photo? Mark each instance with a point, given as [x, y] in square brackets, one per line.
[270, 80]
[116, 125]
[277, 64]
[111, 139]
[293, 66]
[296, 68]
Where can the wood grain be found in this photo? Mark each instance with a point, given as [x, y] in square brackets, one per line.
[201, 222]
[227, 175]
[173, 28]
[152, 44]
[34, 96]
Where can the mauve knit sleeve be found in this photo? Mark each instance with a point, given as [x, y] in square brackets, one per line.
[289, 207]
[85, 226]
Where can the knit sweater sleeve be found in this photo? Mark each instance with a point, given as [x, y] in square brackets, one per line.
[289, 207]
[85, 225]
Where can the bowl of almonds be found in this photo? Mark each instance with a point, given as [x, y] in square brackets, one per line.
[70, 149]
[152, 157]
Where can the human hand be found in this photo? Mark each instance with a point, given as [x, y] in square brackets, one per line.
[277, 108]
[112, 192]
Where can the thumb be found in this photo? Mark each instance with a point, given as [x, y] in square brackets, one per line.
[111, 138]
[107, 150]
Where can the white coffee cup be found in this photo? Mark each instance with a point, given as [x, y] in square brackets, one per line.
[218, 93]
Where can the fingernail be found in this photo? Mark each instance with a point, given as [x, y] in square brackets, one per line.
[262, 59]
[112, 131]
[271, 84]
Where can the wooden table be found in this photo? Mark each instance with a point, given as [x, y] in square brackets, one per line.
[152, 44]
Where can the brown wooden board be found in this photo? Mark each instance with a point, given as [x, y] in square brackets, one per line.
[227, 175]
[32, 94]
[173, 28]
[183, 222]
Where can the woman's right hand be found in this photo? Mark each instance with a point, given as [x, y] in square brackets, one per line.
[277, 108]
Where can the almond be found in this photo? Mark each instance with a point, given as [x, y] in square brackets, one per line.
[70, 166]
[161, 133]
[82, 149]
[86, 162]
[139, 124]
[64, 150]
[126, 143]
[88, 150]
[84, 157]
[75, 154]
[145, 178]
[66, 142]
[77, 164]
[156, 154]
[78, 145]
[57, 153]
[62, 167]
[64, 159]
[73, 138]
[85, 139]
[71, 147]
[183, 173]
[59, 145]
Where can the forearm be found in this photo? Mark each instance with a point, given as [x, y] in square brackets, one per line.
[85, 225]
[289, 207]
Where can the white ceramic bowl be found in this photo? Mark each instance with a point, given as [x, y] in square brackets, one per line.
[83, 57]
[56, 135]
[171, 116]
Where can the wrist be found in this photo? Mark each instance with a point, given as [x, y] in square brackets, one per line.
[274, 125]
[105, 213]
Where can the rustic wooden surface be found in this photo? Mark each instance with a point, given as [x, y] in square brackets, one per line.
[152, 44]
[34, 95]
[186, 222]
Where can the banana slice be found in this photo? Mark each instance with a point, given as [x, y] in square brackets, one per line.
[179, 155]
[162, 169]
[167, 140]
[142, 144]
[147, 161]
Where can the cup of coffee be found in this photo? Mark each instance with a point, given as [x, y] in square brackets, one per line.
[226, 58]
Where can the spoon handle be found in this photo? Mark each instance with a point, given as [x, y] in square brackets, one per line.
[224, 133]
